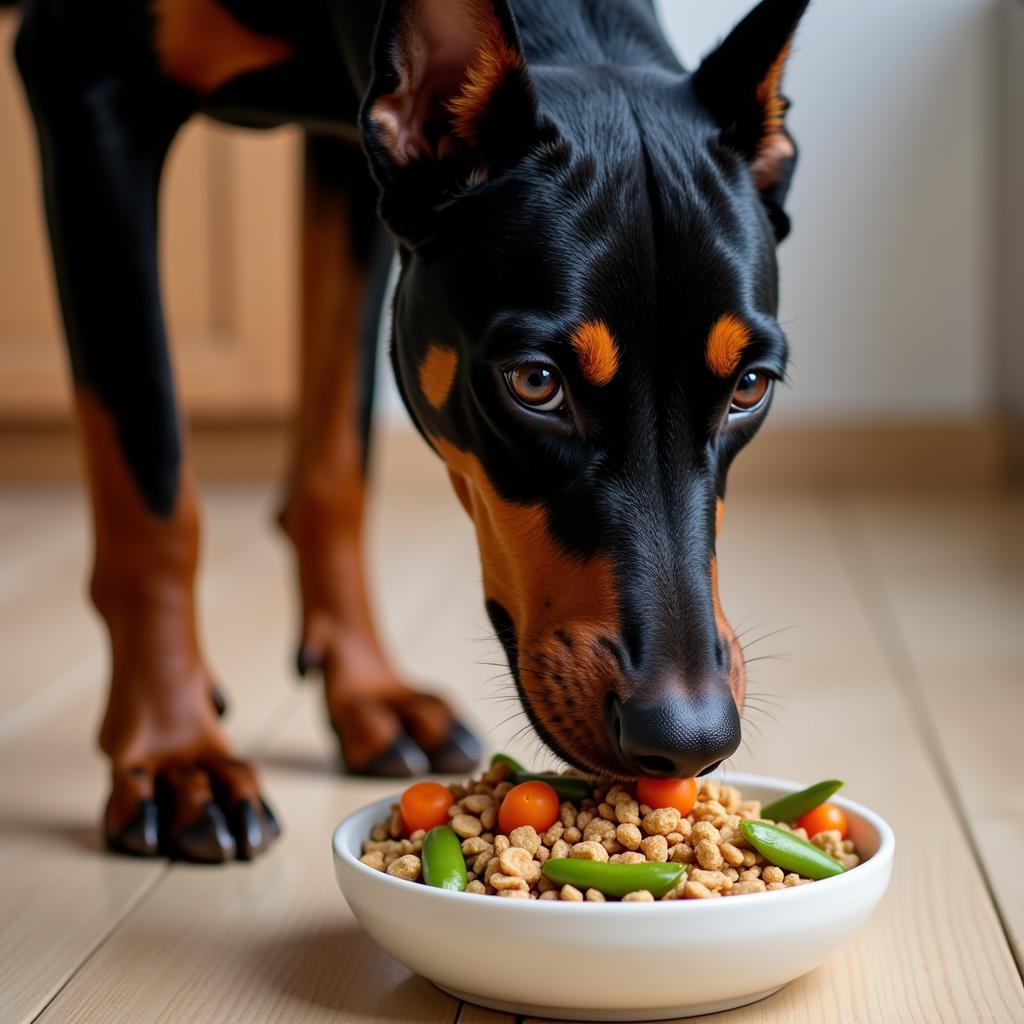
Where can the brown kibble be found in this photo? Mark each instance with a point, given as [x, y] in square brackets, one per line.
[598, 829]
[745, 888]
[477, 803]
[589, 851]
[515, 894]
[501, 843]
[483, 859]
[379, 833]
[639, 896]
[773, 886]
[705, 830]
[681, 853]
[630, 857]
[560, 849]
[662, 821]
[773, 874]
[571, 894]
[553, 834]
[526, 838]
[567, 814]
[627, 812]
[629, 835]
[465, 825]
[407, 867]
[749, 858]
[731, 854]
[572, 834]
[549, 894]
[477, 887]
[502, 881]
[515, 861]
[606, 811]
[584, 818]
[395, 824]
[749, 874]
[594, 896]
[474, 845]
[374, 859]
[488, 818]
[695, 891]
[708, 855]
[714, 880]
[655, 847]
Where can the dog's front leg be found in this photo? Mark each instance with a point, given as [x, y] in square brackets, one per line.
[176, 787]
[384, 726]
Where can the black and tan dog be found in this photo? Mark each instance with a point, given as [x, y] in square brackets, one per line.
[584, 330]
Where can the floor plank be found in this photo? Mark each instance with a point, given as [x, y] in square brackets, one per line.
[274, 940]
[950, 598]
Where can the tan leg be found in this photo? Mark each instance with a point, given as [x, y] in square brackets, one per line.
[384, 726]
[177, 788]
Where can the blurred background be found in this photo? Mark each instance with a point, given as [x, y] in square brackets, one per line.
[901, 282]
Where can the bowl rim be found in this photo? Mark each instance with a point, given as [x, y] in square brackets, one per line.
[879, 862]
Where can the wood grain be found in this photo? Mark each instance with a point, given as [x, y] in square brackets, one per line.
[118, 940]
[951, 606]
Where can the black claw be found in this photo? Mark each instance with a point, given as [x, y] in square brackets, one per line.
[209, 841]
[306, 660]
[402, 759]
[220, 702]
[253, 830]
[460, 753]
[140, 837]
[270, 818]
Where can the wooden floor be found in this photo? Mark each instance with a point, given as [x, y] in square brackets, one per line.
[901, 623]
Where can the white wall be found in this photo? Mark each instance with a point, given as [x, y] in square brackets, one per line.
[888, 278]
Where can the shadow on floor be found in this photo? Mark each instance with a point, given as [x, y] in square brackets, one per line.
[342, 968]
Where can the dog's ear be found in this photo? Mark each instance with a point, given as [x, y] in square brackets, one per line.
[450, 100]
[741, 83]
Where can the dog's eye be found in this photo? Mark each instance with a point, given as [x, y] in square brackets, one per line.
[536, 386]
[751, 391]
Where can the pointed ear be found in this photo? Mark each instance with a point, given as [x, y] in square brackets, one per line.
[741, 84]
[449, 87]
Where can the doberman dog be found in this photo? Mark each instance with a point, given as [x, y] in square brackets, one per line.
[584, 330]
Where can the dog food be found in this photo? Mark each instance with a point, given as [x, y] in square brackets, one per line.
[525, 835]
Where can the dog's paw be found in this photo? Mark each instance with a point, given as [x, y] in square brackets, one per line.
[402, 734]
[206, 809]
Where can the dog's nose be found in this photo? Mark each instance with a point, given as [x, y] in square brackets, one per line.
[678, 735]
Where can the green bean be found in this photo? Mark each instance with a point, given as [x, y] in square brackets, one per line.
[613, 879]
[444, 866]
[568, 787]
[506, 759]
[796, 805]
[789, 852]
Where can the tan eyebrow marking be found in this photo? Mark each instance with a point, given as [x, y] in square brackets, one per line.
[728, 338]
[437, 374]
[596, 350]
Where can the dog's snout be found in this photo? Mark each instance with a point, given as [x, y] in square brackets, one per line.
[677, 735]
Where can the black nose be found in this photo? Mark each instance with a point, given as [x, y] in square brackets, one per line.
[677, 735]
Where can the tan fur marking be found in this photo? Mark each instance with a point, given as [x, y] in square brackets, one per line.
[544, 589]
[728, 338]
[737, 668]
[492, 63]
[202, 46]
[597, 352]
[437, 374]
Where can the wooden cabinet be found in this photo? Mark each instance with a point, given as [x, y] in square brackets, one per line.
[229, 258]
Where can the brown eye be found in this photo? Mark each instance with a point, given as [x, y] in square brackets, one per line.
[750, 391]
[536, 386]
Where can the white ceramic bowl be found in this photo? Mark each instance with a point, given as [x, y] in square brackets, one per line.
[616, 961]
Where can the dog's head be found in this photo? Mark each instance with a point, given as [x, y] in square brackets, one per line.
[584, 329]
